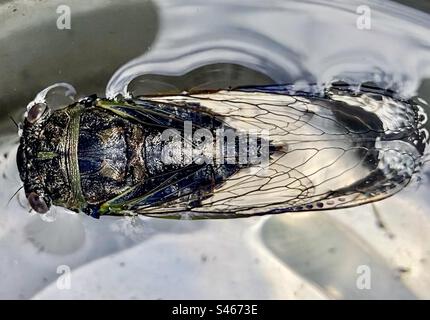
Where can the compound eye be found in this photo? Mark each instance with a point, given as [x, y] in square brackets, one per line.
[37, 203]
[36, 112]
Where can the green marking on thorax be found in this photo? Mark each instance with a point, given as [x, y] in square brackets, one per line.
[46, 155]
[72, 140]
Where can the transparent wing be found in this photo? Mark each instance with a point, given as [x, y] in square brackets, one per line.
[336, 151]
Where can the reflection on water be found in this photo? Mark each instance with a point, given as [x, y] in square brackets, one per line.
[307, 238]
[242, 43]
[35, 54]
[289, 41]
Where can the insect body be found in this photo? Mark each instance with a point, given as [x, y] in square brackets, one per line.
[222, 154]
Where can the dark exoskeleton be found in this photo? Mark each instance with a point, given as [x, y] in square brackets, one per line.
[104, 157]
[188, 155]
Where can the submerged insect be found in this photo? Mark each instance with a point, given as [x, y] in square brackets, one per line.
[224, 154]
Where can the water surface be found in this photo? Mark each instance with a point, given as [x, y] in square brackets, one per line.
[171, 46]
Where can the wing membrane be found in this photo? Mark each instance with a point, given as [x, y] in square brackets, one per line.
[336, 151]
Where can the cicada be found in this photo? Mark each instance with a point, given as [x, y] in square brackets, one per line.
[221, 154]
